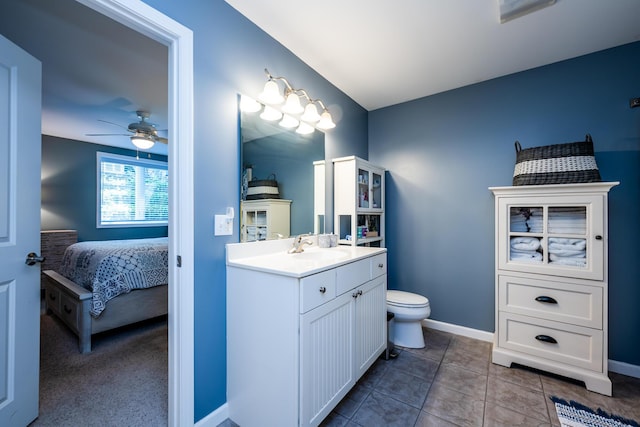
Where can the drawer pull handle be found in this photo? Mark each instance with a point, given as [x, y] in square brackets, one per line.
[355, 295]
[322, 289]
[381, 265]
[546, 299]
[359, 292]
[546, 338]
[52, 297]
[67, 309]
[598, 237]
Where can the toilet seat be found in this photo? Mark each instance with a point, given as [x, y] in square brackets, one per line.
[406, 299]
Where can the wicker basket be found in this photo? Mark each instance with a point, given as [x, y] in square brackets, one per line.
[571, 162]
[263, 188]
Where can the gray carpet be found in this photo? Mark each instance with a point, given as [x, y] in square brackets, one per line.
[122, 382]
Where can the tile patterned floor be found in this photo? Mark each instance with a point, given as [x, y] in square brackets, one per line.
[452, 382]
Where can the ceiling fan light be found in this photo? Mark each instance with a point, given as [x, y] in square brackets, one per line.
[310, 114]
[325, 121]
[305, 129]
[288, 121]
[271, 93]
[270, 114]
[249, 105]
[142, 142]
[292, 105]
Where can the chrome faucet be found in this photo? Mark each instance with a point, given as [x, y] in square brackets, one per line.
[298, 243]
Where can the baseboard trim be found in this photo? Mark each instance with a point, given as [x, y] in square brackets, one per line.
[215, 418]
[613, 365]
[624, 368]
[458, 330]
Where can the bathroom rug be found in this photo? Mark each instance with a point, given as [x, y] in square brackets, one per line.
[574, 414]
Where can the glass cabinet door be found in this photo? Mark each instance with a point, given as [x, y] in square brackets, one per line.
[562, 236]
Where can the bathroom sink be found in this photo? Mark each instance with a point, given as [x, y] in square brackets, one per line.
[321, 254]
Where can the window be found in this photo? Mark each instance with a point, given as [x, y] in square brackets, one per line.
[132, 192]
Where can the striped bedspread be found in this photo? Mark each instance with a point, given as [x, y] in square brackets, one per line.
[114, 267]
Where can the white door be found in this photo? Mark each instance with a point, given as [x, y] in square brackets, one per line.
[20, 151]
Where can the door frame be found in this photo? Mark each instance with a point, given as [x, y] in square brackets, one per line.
[179, 39]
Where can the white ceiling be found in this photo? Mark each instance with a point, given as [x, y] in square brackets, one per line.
[383, 52]
[378, 52]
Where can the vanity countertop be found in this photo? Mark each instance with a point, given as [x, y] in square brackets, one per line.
[272, 256]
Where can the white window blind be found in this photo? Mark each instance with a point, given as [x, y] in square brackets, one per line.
[132, 192]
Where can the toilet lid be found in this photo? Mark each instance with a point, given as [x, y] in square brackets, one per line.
[402, 298]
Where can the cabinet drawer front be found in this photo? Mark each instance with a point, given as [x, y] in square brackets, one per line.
[565, 302]
[69, 311]
[52, 298]
[575, 345]
[317, 289]
[378, 265]
[353, 274]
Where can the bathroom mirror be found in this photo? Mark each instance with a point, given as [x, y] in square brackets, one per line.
[271, 152]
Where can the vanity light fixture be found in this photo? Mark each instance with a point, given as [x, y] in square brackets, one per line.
[143, 142]
[293, 106]
[288, 121]
[270, 114]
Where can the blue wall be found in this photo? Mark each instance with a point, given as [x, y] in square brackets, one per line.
[230, 54]
[442, 152]
[69, 190]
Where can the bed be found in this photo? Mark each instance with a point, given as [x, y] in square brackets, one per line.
[104, 285]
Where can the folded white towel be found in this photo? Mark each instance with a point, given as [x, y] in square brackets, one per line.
[525, 256]
[559, 243]
[555, 256]
[525, 243]
[576, 262]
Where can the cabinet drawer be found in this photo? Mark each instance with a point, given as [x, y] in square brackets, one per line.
[52, 298]
[354, 274]
[378, 265]
[561, 301]
[317, 289]
[69, 311]
[575, 345]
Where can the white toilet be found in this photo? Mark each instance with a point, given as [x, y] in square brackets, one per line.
[409, 309]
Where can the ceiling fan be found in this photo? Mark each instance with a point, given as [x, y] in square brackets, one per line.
[143, 134]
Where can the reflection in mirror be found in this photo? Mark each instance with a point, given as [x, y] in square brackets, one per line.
[278, 166]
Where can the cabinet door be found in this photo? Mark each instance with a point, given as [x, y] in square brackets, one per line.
[326, 358]
[371, 322]
[557, 235]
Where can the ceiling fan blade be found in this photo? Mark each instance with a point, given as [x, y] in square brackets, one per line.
[161, 139]
[115, 124]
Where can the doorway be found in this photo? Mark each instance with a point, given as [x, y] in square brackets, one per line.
[179, 41]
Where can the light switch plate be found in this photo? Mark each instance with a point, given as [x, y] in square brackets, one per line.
[223, 225]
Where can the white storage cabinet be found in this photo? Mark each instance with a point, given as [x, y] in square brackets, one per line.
[296, 346]
[265, 219]
[551, 280]
[358, 191]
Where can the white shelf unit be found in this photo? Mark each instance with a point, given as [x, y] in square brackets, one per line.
[265, 219]
[551, 280]
[358, 191]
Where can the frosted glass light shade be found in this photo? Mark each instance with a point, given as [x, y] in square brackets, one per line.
[310, 114]
[304, 128]
[249, 105]
[270, 114]
[325, 121]
[292, 105]
[288, 121]
[271, 93]
[142, 142]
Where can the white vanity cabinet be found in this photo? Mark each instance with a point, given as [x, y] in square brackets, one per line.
[358, 193]
[297, 345]
[551, 280]
[265, 219]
